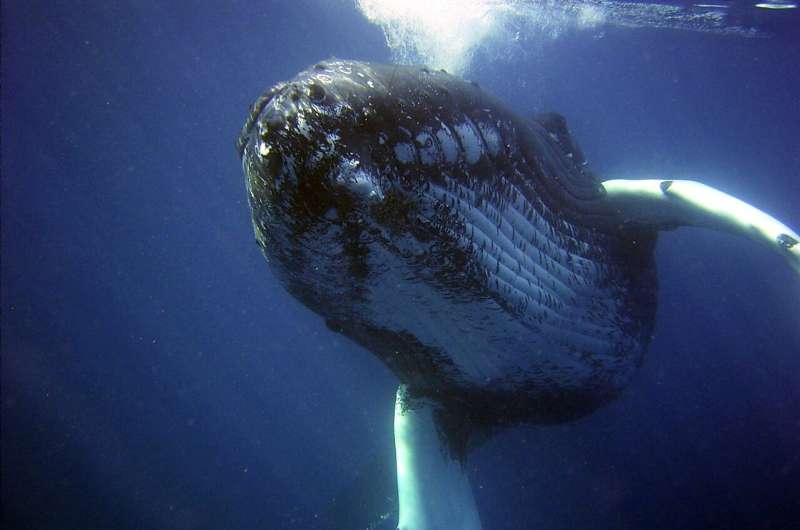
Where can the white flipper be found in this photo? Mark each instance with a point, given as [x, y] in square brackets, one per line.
[671, 203]
[432, 486]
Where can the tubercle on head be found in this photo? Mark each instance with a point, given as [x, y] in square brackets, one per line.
[786, 242]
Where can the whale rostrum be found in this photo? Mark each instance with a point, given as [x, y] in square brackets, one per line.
[471, 250]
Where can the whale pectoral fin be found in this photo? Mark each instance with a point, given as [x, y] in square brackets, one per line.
[665, 204]
[432, 485]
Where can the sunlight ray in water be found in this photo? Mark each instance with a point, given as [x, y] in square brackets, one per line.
[447, 33]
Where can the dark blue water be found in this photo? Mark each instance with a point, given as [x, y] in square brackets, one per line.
[155, 375]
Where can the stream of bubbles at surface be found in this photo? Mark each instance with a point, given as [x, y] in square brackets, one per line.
[447, 33]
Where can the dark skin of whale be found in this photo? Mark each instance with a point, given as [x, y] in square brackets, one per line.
[468, 248]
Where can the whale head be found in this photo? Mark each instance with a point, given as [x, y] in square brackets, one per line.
[464, 246]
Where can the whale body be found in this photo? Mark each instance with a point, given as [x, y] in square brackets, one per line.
[466, 247]
[470, 249]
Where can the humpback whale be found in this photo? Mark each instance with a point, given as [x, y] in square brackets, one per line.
[471, 250]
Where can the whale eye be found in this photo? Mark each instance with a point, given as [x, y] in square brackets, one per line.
[316, 93]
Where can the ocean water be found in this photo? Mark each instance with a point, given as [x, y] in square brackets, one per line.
[155, 375]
